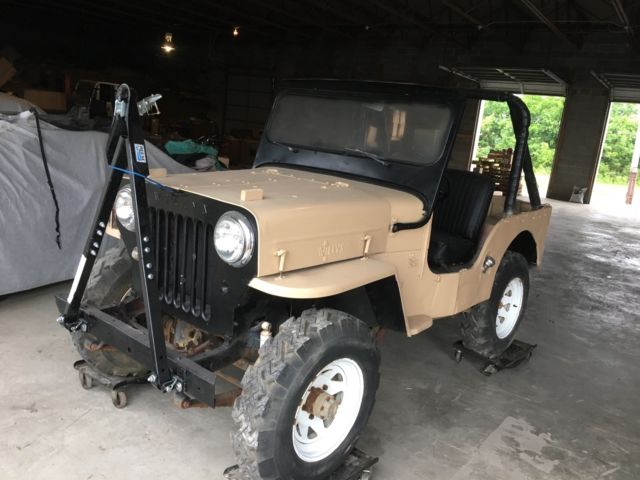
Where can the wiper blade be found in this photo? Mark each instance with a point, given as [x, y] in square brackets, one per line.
[370, 155]
[288, 147]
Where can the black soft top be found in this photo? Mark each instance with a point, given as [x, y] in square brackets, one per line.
[422, 180]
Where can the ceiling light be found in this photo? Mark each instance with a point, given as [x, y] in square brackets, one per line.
[168, 45]
[236, 31]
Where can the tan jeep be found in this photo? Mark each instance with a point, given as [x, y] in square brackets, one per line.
[349, 222]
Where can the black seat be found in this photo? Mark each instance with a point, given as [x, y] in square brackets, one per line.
[458, 218]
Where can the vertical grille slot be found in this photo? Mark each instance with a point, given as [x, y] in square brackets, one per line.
[183, 261]
[177, 260]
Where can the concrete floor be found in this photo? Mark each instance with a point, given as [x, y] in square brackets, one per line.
[573, 412]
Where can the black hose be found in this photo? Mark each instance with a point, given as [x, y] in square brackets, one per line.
[46, 171]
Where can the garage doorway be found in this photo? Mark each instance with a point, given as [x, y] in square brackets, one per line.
[621, 145]
[495, 133]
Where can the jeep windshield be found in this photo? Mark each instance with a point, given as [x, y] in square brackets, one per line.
[393, 131]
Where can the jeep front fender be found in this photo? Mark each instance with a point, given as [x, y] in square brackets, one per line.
[325, 280]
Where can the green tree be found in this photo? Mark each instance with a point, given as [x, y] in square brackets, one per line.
[496, 132]
[618, 144]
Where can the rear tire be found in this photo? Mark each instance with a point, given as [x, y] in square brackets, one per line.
[108, 284]
[489, 328]
[298, 371]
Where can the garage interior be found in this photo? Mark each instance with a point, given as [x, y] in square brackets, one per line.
[571, 412]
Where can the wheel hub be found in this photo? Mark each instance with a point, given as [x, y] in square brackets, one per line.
[322, 405]
[328, 410]
[509, 308]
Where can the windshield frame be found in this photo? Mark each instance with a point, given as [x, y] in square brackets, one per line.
[362, 97]
[420, 180]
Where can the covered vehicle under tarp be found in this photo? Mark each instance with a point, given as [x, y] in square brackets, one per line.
[29, 253]
[10, 104]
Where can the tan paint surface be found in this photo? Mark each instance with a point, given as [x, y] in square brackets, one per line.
[319, 282]
[313, 230]
[314, 219]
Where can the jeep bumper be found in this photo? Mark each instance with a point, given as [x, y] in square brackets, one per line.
[196, 381]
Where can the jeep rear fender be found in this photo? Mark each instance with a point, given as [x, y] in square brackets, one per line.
[325, 280]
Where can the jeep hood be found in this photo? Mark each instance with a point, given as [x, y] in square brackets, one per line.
[306, 219]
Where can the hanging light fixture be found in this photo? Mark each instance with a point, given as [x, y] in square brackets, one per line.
[236, 31]
[168, 45]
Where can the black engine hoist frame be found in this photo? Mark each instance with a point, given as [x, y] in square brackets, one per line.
[126, 152]
[171, 370]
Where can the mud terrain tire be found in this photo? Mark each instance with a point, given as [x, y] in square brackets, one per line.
[266, 414]
[109, 282]
[480, 326]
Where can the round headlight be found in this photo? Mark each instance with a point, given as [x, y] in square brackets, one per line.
[124, 209]
[234, 239]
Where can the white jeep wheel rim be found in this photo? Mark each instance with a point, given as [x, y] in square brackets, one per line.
[312, 439]
[509, 307]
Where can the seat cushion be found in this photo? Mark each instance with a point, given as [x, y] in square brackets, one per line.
[463, 209]
[446, 249]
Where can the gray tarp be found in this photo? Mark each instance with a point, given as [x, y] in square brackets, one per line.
[29, 256]
[10, 104]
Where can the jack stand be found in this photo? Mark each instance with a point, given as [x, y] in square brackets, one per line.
[356, 467]
[517, 353]
[89, 377]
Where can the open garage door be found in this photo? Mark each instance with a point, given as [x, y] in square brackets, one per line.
[493, 142]
[537, 81]
[623, 87]
[616, 176]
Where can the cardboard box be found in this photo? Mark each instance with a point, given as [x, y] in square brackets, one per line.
[6, 71]
[47, 100]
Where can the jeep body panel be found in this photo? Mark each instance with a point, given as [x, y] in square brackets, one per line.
[307, 219]
[335, 235]
[325, 280]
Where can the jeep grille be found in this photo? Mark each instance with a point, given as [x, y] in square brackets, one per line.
[184, 260]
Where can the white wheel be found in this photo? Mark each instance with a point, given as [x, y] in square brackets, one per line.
[328, 410]
[509, 307]
[307, 398]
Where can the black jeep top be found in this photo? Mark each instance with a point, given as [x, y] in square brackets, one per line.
[395, 134]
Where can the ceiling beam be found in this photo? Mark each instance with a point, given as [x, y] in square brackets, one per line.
[549, 24]
[242, 16]
[467, 16]
[622, 15]
[336, 12]
[406, 15]
[309, 19]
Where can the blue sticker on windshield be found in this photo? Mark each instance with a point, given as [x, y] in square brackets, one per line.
[141, 156]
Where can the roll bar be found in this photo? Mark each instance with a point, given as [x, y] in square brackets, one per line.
[520, 119]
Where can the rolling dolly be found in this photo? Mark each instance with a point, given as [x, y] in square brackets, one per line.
[356, 467]
[517, 353]
[89, 377]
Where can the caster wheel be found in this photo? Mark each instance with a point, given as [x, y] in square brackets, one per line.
[458, 355]
[489, 370]
[181, 401]
[85, 380]
[119, 398]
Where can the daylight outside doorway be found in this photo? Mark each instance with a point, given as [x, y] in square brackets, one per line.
[495, 133]
[621, 145]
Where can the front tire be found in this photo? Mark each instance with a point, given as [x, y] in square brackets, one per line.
[307, 398]
[489, 328]
[108, 285]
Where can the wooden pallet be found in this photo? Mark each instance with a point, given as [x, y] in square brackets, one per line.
[497, 165]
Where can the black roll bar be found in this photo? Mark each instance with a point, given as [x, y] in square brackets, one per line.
[520, 119]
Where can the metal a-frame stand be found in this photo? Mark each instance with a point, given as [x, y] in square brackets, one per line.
[126, 152]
